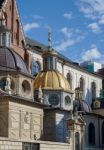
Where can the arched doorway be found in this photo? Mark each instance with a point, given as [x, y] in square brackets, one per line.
[91, 134]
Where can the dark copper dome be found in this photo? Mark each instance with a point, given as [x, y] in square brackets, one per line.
[10, 60]
[81, 105]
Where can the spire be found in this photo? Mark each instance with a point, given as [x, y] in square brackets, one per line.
[49, 40]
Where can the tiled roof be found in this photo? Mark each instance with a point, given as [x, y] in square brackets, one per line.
[1, 3]
[41, 47]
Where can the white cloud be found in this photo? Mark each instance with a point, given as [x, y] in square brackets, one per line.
[38, 17]
[30, 26]
[71, 37]
[92, 54]
[101, 21]
[65, 44]
[68, 16]
[94, 27]
[94, 10]
[67, 32]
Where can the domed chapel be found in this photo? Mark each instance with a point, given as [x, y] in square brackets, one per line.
[47, 101]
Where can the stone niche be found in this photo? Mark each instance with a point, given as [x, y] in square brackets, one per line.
[20, 120]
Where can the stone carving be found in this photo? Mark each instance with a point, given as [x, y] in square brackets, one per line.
[27, 118]
[8, 85]
[40, 95]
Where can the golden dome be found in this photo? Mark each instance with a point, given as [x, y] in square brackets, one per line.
[51, 80]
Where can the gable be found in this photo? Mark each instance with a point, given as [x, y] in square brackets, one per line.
[10, 13]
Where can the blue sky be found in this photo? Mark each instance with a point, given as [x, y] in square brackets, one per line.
[77, 26]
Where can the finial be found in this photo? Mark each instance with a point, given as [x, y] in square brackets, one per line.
[49, 39]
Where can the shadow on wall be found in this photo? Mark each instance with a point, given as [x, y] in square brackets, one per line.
[88, 96]
[61, 127]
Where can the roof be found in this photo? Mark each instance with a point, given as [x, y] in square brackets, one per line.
[41, 48]
[81, 105]
[1, 3]
[51, 80]
[9, 59]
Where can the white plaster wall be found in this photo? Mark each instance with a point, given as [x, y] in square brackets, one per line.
[37, 57]
[76, 74]
[89, 78]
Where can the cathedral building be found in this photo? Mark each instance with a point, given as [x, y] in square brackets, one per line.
[47, 101]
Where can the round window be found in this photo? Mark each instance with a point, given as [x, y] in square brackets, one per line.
[25, 86]
[53, 99]
[67, 100]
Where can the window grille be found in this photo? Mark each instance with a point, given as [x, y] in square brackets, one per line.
[30, 146]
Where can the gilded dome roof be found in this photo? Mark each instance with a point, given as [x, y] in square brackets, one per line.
[9, 59]
[52, 80]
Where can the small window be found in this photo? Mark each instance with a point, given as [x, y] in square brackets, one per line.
[54, 99]
[36, 68]
[3, 83]
[26, 87]
[30, 146]
[5, 16]
[4, 39]
[17, 33]
[91, 134]
[67, 100]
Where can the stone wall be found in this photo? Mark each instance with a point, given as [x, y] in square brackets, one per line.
[6, 144]
[20, 119]
[25, 122]
[54, 146]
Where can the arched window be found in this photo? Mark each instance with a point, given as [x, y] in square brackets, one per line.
[103, 133]
[82, 86]
[91, 134]
[36, 68]
[5, 16]
[69, 78]
[93, 88]
[77, 141]
[23, 44]
[17, 33]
